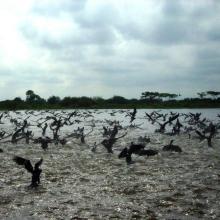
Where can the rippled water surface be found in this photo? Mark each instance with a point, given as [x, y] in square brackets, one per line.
[77, 183]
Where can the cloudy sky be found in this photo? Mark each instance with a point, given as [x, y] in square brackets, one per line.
[109, 47]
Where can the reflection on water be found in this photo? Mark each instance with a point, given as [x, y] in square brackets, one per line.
[77, 183]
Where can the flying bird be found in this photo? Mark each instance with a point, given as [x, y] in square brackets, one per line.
[35, 171]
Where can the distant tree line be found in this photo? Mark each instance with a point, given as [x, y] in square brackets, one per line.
[208, 99]
[156, 96]
[212, 94]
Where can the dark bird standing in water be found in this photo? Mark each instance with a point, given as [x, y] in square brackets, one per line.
[36, 171]
[149, 152]
[171, 147]
[44, 141]
[133, 149]
[127, 155]
[136, 149]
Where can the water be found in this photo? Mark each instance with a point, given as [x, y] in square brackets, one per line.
[77, 183]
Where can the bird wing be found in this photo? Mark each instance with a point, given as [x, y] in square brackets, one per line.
[173, 117]
[200, 134]
[38, 163]
[22, 161]
[123, 153]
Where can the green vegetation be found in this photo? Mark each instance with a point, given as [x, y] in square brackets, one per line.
[152, 96]
[209, 99]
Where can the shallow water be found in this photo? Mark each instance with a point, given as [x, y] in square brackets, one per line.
[77, 183]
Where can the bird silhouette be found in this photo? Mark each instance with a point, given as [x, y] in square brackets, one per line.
[35, 171]
[172, 147]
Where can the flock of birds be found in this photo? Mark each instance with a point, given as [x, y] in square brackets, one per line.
[18, 126]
